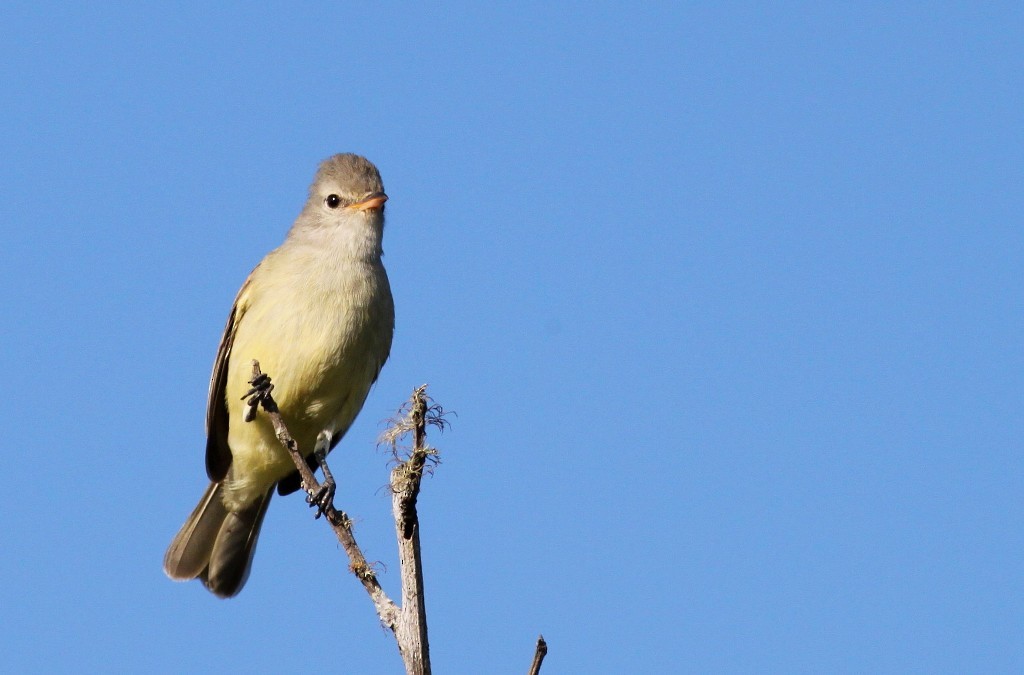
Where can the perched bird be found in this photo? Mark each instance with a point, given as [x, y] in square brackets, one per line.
[317, 314]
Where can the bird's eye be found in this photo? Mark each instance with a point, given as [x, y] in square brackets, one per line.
[333, 201]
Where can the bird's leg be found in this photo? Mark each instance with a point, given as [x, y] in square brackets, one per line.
[322, 499]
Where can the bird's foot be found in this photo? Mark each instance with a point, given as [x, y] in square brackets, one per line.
[259, 393]
[323, 498]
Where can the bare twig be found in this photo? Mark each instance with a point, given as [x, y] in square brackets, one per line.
[538, 656]
[405, 487]
[338, 520]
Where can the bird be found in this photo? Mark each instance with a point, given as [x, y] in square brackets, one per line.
[318, 315]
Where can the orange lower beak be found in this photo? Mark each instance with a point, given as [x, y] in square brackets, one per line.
[374, 201]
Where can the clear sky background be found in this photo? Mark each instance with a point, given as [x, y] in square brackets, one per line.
[727, 298]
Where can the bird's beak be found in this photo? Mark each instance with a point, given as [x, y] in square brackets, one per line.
[374, 201]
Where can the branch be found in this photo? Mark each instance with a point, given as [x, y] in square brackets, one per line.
[406, 477]
[538, 656]
[338, 520]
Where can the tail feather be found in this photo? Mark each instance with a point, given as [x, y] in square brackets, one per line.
[231, 557]
[216, 545]
[189, 553]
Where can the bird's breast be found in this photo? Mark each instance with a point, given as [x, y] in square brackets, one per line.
[322, 337]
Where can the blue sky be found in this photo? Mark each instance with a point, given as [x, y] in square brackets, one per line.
[727, 298]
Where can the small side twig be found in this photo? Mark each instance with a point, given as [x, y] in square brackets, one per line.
[538, 656]
[260, 395]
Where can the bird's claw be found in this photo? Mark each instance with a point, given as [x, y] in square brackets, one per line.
[259, 393]
[323, 498]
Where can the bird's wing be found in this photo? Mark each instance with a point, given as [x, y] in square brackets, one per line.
[218, 454]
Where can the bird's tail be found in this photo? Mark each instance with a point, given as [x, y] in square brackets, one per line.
[216, 545]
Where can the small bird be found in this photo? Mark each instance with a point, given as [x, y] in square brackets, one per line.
[318, 315]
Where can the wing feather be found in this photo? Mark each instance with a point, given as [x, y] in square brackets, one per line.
[218, 454]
